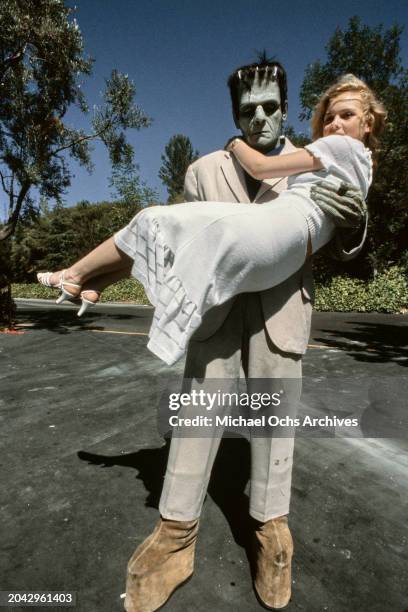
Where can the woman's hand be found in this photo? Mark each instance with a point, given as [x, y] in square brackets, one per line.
[230, 143]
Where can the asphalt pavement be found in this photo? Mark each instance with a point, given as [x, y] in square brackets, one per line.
[82, 465]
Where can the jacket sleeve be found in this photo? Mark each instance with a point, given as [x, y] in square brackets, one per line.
[344, 246]
[190, 186]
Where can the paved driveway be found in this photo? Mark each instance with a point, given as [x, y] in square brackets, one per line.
[82, 466]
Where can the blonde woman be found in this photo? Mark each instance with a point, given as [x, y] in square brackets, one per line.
[191, 257]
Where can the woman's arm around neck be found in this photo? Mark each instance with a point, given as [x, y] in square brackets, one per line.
[275, 166]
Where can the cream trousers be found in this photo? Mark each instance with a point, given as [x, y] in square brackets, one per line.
[240, 343]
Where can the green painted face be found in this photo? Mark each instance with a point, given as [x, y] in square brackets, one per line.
[260, 114]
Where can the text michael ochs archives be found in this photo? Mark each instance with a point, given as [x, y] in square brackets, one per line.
[261, 421]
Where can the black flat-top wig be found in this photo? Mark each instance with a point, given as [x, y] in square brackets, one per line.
[264, 68]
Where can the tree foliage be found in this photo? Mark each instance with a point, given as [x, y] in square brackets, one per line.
[127, 187]
[54, 239]
[41, 63]
[179, 154]
[296, 138]
[373, 54]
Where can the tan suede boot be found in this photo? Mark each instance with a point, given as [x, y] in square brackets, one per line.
[273, 563]
[160, 564]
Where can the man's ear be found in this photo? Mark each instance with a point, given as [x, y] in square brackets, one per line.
[285, 111]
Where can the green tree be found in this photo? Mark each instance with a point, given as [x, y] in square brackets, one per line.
[41, 64]
[373, 54]
[179, 154]
[127, 187]
[296, 138]
[56, 238]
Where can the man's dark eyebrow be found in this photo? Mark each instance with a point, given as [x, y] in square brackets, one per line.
[251, 104]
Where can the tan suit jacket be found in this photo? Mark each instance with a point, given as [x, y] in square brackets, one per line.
[287, 308]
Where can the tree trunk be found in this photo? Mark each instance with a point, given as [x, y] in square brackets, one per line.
[7, 305]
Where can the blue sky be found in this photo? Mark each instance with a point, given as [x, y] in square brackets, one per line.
[179, 54]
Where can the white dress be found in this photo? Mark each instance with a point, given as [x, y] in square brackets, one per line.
[193, 256]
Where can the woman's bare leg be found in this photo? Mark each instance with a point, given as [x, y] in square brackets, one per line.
[104, 259]
[94, 286]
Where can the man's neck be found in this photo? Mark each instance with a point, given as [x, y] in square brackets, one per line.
[252, 185]
[278, 149]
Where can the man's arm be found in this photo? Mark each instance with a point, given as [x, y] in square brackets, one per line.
[344, 246]
[347, 209]
[190, 186]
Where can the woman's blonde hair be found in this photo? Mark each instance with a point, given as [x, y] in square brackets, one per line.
[373, 109]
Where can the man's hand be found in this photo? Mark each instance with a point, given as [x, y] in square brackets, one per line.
[344, 205]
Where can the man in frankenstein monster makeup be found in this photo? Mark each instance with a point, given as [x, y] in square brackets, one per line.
[262, 334]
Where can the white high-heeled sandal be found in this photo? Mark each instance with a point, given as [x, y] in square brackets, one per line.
[86, 303]
[44, 278]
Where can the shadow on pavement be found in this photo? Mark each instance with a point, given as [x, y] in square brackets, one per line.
[65, 321]
[150, 464]
[370, 342]
[229, 478]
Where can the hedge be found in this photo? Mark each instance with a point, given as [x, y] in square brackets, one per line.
[128, 290]
[387, 292]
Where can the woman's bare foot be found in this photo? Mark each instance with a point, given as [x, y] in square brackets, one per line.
[93, 287]
[90, 295]
[74, 285]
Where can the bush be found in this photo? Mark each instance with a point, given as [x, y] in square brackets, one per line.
[59, 237]
[128, 290]
[387, 292]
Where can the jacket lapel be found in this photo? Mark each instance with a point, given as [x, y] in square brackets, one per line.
[268, 184]
[235, 178]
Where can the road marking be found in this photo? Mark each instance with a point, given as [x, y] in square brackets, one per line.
[113, 331]
[126, 333]
[351, 346]
[319, 346]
